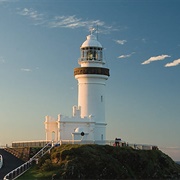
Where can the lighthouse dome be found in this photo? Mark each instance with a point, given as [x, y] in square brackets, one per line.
[91, 41]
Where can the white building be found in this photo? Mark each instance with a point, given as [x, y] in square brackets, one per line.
[88, 119]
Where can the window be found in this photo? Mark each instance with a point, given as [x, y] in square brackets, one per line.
[101, 98]
[101, 137]
[90, 55]
[53, 136]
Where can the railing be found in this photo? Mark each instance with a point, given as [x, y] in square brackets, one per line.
[24, 167]
[21, 153]
[38, 143]
[1, 161]
[100, 142]
[111, 143]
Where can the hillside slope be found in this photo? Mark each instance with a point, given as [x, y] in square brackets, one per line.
[105, 162]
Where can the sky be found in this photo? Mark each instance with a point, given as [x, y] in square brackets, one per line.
[39, 49]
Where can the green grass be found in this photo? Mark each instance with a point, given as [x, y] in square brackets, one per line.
[33, 174]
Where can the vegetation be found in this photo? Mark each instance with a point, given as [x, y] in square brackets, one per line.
[103, 162]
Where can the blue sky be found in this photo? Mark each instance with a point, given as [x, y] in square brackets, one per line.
[39, 48]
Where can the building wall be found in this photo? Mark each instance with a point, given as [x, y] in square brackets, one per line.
[91, 96]
[100, 132]
[51, 129]
[65, 128]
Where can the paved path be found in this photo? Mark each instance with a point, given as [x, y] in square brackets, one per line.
[10, 162]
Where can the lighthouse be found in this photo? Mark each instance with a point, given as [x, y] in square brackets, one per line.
[91, 77]
[87, 123]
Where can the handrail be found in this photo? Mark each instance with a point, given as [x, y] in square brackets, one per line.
[24, 167]
[1, 161]
[41, 151]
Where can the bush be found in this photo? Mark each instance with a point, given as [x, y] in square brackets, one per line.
[47, 165]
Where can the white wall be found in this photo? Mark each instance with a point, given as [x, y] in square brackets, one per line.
[91, 95]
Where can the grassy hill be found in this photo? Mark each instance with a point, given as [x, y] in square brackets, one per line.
[103, 162]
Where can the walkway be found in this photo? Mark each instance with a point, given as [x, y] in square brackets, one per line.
[10, 162]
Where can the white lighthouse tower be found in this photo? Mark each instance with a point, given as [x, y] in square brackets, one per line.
[91, 78]
[87, 123]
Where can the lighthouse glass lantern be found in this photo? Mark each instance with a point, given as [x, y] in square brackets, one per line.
[91, 52]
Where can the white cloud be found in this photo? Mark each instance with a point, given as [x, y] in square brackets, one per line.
[26, 69]
[71, 22]
[144, 40]
[174, 63]
[2, 1]
[120, 41]
[66, 21]
[126, 56]
[2, 60]
[31, 13]
[155, 58]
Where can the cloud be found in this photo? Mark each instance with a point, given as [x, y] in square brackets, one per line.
[32, 14]
[144, 40]
[70, 22]
[66, 22]
[174, 63]
[120, 41]
[26, 70]
[126, 56]
[2, 60]
[155, 58]
[2, 1]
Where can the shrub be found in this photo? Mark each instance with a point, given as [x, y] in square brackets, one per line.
[47, 165]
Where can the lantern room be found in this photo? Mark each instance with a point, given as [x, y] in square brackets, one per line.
[91, 51]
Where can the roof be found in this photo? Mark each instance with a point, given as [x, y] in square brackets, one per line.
[91, 41]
